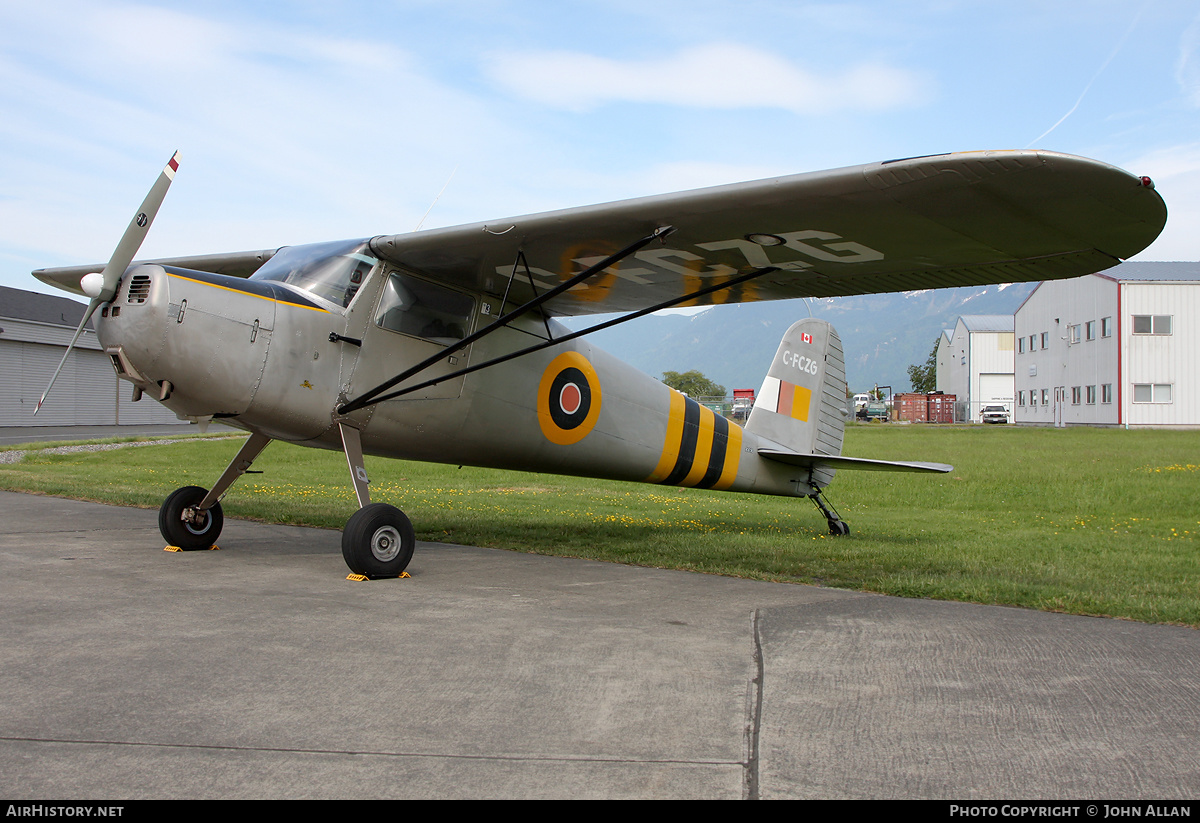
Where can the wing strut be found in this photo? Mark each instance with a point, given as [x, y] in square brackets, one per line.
[370, 397]
[522, 262]
[737, 281]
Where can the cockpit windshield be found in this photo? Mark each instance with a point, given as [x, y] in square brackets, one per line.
[332, 271]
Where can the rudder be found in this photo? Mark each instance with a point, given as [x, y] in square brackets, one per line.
[802, 403]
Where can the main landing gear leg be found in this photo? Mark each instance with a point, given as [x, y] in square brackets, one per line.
[837, 526]
[191, 518]
[378, 540]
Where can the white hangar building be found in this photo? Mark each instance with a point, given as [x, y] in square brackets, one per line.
[34, 332]
[975, 363]
[1117, 348]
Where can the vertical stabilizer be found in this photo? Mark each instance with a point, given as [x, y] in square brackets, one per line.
[802, 404]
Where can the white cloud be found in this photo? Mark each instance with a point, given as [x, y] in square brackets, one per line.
[144, 39]
[298, 123]
[720, 76]
[1187, 67]
[1170, 162]
[672, 177]
[288, 134]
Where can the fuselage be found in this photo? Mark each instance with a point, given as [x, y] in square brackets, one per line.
[277, 355]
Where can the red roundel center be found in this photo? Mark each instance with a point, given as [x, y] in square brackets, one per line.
[570, 398]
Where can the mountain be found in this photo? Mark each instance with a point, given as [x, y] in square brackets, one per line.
[882, 334]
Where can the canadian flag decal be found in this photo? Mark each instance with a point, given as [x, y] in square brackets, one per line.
[806, 337]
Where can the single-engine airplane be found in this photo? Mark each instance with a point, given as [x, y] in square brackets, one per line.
[441, 345]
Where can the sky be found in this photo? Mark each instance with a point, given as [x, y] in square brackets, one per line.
[307, 121]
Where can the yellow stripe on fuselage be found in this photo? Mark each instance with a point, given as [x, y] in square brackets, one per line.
[247, 293]
[691, 453]
[670, 452]
[704, 442]
[733, 453]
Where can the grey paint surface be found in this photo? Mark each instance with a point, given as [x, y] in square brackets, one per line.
[259, 671]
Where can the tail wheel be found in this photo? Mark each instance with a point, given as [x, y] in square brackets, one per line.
[183, 527]
[378, 541]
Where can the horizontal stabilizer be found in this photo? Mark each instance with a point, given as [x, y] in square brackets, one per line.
[833, 461]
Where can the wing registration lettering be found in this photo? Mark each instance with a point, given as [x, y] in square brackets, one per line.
[847, 251]
[832, 252]
[667, 265]
[632, 274]
[660, 258]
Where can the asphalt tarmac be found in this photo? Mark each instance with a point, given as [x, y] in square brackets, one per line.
[260, 671]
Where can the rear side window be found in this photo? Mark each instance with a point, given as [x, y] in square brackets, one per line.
[419, 308]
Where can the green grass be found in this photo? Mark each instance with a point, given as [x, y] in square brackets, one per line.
[50, 444]
[1086, 521]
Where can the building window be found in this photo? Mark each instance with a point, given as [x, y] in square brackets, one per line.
[1020, 345]
[1076, 395]
[1045, 340]
[1045, 397]
[1106, 327]
[1020, 398]
[1151, 392]
[1091, 395]
[1033, 342]
[1152, 324]
[1072, 335]
[1089, 330]
[1106, 393]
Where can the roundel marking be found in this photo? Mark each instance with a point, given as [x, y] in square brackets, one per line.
[568, 399]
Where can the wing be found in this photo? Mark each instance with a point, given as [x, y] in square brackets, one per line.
[235, 264]
[918, 223]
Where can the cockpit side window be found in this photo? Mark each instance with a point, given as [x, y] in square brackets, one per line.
[422, 309]
[331, 271]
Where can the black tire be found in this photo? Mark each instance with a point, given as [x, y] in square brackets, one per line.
[378, 541]
[839, 528]
[177, 531]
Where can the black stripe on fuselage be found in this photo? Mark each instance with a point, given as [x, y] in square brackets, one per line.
[267, 289]
[687, 443]
[716, 457]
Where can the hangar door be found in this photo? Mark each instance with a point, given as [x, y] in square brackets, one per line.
[87, 392]
[994, 388]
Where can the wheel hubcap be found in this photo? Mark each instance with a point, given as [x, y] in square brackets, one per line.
[196, 522]
[385, 544]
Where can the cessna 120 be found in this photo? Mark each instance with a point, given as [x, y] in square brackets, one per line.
[440, 345]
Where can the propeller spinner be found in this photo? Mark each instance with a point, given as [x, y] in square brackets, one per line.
[102, 286]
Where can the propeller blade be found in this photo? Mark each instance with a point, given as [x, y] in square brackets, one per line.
[87, 315]
[122, 256]
[131, 241]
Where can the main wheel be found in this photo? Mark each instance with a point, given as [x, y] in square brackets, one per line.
[378, 541]
[838, 528]
[186, 534]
